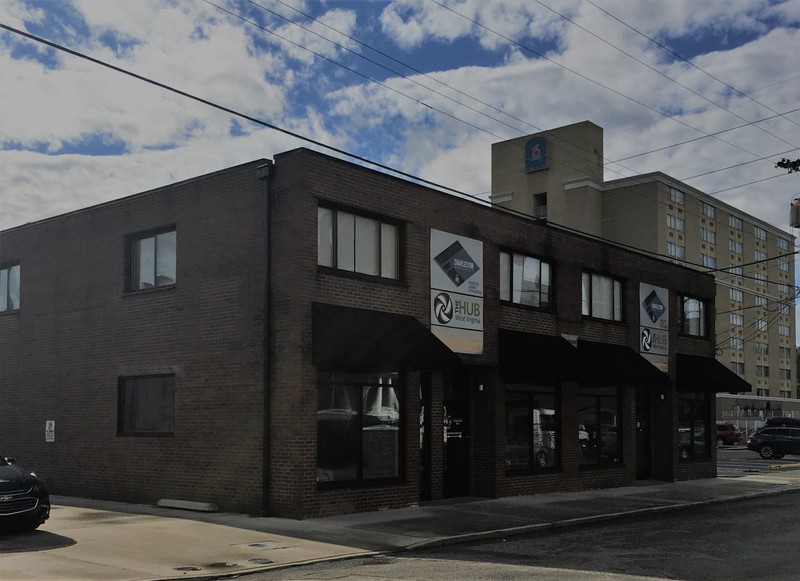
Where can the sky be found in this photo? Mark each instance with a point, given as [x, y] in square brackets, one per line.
[706, 91]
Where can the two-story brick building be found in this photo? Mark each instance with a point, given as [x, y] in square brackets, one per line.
[309, 337]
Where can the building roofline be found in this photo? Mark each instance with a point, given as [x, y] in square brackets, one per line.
[135, 195]
[658, 176]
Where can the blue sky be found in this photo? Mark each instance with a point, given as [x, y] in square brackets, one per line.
[425, 86]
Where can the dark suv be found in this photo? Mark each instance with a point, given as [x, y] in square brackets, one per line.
[728, 434]
[775, 442]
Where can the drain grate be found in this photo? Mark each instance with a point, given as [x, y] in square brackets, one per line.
[220, 565]
[188, 568]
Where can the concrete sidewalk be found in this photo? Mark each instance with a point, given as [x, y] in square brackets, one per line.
[98, 540]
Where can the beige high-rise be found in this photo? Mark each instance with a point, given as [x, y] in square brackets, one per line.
[558, 176]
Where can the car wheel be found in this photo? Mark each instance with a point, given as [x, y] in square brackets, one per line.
[720, 442]
[777, 455]
[766, 451]
[541, 460]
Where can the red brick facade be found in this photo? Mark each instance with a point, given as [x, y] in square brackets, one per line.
[236, 332]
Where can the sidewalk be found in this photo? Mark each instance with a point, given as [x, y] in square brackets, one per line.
[99, 540]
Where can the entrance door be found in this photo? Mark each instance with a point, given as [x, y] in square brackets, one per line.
[644, 468]
[456, 438]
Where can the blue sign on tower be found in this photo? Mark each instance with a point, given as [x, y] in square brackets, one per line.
[536, 154]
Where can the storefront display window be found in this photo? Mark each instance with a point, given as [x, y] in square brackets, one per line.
[358, 427]
[531, 421]
[693, 425]
[599, 430]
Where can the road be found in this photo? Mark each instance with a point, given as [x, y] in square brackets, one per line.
[736, 461]
[750, 539]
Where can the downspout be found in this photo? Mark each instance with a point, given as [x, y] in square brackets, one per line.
[264, 173]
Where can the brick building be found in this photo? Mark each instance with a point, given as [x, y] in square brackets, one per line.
[307, 337]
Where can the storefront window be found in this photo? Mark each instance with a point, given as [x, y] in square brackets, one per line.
[693, 426]
[599, 429]
[358, 427]
[531, 420]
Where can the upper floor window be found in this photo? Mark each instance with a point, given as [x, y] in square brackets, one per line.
[708, 261]
[762, 325]
[693, 316]
[761, 348]
[783, 244]
[540, 206]
[675, 223]
[708, 210]
[734, 222]
[760, 278]
[146, 406]
[737, 367]
[9, 288]
[784, 330]
[152, 259]
[707, 235]
[602, 297]
[736, 319]
[676, 250]
[761, 301]
[760, 255]
[735, 246]
[736, 270]
[759, 233]
[736, 294]
[783, 288]
[783, 265]
[524, 280]
[355, 243]
[675, 195]
[785, 352]
[737, 343]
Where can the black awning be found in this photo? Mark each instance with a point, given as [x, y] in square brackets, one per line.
[606, 364]
[697, 373]
[534, 358]
[358, 340]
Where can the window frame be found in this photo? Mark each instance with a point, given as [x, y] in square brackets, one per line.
[530, 393]
[586, 461]
[617, 292]
[131, 263]
[332, 261]
[353, 385]
[699, 411]
[708, 210]
[703, 313]
[508, 291]
[6, 295]
[123, 413]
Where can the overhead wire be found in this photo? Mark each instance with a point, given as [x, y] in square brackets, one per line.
[339, 151]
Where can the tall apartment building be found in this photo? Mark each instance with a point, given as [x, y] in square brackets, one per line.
[557, 175]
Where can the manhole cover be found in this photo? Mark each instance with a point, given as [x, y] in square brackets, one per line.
[189, 568]
[260, 561]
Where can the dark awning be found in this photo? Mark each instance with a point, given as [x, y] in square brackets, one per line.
[697, 373]
[547, 359]
[534, 358]
[358, 340]
[609, 364]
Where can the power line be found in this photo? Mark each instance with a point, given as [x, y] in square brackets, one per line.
[309, 140]
[641, 62]
[687, 61]
[584, 77]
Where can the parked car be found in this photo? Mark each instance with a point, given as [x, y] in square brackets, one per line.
[728, 434]
[775, 442]
[24, 500]
[792, 422]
